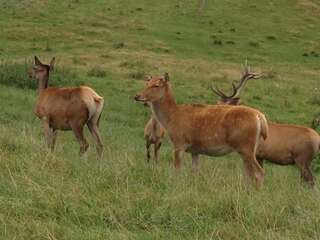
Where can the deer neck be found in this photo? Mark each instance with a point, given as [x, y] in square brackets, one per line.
[164, 108]
[43, 84]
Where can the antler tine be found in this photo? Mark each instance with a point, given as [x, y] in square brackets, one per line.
[258, 75]
[237, 87]
[246, 67]
[246, 75]
[235, 90]
[218, 92]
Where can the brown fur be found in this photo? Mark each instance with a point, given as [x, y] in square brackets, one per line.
[68, 108]
[290, 144]
[286, 144]
[153, 134]
[207, 129]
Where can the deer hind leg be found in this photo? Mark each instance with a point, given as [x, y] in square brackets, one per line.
[78, 132]
[94, 130]
[252, 168]
[304, 162]
[157, 146]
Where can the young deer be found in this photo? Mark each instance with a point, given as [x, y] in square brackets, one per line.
[286, 144]
[68, 108]
[153, 134]
[207, 129]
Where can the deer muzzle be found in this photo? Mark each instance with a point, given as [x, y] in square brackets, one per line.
[139, 98]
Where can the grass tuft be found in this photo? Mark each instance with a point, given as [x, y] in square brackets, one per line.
[97, 71]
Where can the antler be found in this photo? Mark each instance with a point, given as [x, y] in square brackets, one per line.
[246, 75]
[218, 92]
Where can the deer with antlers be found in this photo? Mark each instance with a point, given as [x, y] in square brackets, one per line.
[286, 144]
[212, 130]
[67, 108]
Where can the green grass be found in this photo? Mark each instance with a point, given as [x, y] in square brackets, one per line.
[110, 46]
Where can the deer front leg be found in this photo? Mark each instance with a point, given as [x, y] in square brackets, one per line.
[157, 146]
[178, 154]
[53, 139]
[48, 134]
[148, 144]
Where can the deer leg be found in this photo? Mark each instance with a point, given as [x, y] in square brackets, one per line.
[157, 146]
[260, 161]
[94, 130]
[303, 162]
[148, 144]
[252, 167]
[78, 132]
[48, 134]
[53, 139]
[195, 159]
[177, 158]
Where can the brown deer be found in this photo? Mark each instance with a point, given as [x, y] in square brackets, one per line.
[212, 130]
[286, 144]
[153, 134]
[67, 108]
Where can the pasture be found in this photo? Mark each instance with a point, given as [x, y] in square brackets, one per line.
[110, 46]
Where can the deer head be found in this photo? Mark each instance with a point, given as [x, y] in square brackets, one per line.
[154, 90]
[39, 70]
[234, 98]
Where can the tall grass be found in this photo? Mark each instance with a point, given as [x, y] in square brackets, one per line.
[110, 46]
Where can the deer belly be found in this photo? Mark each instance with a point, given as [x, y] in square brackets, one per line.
[281, 157]
[60, 124]
[210, 151]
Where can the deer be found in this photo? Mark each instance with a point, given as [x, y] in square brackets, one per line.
[200, 129]
[153, 134]
[286, 144]
[66, 108]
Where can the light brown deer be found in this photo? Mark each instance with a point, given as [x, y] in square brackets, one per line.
[207, 129]
[153, 134]
[67, 108]
[286, 144]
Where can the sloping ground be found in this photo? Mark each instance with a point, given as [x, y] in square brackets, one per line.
[110, 45]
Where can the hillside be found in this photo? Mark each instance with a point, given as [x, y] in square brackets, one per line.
[110, 46]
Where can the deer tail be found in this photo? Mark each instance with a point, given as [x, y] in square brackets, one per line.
[264, 126]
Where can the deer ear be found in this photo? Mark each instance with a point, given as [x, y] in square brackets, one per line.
[147, 77]
[37, 61]
[52, 64]
[166, 77]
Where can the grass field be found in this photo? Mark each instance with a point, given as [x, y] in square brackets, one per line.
[110, 45]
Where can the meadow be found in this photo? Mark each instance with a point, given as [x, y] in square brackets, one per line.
[110, 46]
